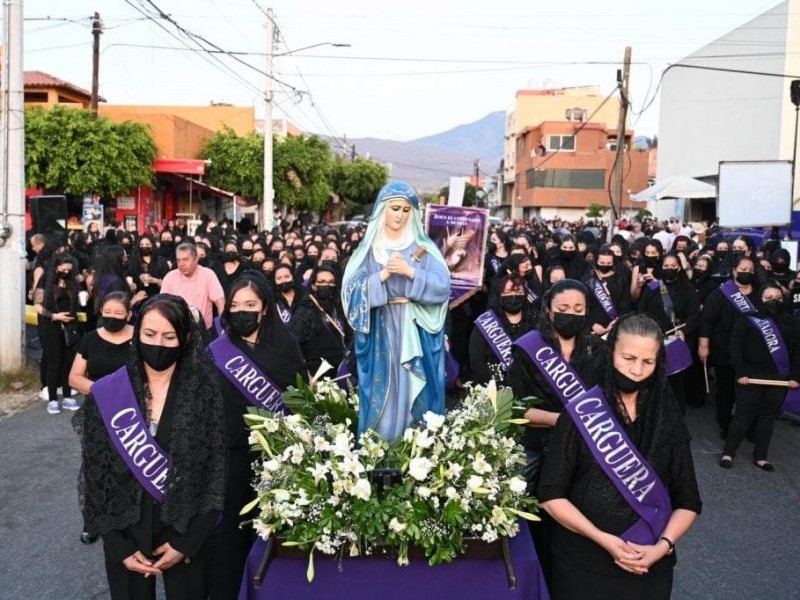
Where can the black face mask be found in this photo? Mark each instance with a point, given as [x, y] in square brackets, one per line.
[247, 253]
[772, 307]
[126, 247]
[604, 269]
[568, 325]
[167, 249]
[651, 261]
[670, 275]
[737, 254]
[285, 287]
[257, 264]
[325, 293]
[512, 304]
[567, 254]
[159, 358]
[113, 324]
[700, 274]
[491, 247]
[64, 274]
[243, 322]
[627, 385]
[779, 267]
[312, 259]
[268, 273]
[203, 262]
[744, 278]
[230, 256]
[145, 251]
[721, 254]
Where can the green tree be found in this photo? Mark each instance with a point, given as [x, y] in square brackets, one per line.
[237, 162]
[595, 210]
[470, 194]
[359, 181]
[303, 168]
[71, 152]
[643, 214]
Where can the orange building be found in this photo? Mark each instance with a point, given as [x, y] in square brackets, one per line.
[564, 166]
[43, 89]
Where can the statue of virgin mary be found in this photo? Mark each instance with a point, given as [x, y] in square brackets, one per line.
[395, 293]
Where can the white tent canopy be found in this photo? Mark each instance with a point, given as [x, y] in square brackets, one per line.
[677, 186]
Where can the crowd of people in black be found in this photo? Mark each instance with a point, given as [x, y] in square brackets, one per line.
[609, 303]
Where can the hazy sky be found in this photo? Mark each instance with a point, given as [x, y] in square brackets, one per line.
[414, 68]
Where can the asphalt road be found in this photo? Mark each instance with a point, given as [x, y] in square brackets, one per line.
[745, 545]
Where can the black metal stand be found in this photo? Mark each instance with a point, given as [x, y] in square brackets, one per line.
[512, 577]
[266, 560]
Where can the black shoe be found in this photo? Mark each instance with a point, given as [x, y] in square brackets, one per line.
[88, 539]
[726, 463]
[765, 466]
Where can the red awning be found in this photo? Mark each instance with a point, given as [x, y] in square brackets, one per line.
[186, 166]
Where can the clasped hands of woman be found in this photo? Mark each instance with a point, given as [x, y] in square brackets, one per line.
[139, 563]
[634, 558]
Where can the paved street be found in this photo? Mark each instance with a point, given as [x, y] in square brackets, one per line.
[744, 546]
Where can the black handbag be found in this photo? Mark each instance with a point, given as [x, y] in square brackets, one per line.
[72, 334]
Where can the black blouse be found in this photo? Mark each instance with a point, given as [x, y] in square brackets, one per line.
[716, 323]
[571, 472]
[619, 290]
[102, 357]
[750, 356]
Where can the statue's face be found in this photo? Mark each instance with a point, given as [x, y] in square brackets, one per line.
[397, 214]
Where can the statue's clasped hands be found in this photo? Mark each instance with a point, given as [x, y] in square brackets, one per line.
[397, 265]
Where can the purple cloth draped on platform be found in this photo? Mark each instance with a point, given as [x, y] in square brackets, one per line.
[373, 578]
[679, 356]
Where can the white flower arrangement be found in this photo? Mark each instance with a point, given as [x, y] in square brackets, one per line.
[461, 476]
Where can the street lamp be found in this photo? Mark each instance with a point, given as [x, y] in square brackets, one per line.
[334, 44]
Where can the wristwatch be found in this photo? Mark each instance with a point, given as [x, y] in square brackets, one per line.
[670, 543]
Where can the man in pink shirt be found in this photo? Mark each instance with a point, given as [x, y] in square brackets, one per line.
[194, 283]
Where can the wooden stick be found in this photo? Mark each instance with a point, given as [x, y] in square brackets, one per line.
[778, 382]
[681, 326]
[705, 372]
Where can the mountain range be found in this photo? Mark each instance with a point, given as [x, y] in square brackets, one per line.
[430, 161]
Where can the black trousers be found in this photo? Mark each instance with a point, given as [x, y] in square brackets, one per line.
[724, 395]
[573, 583]
[757, 406]
[678, 384]
[184, 581]
[58, 359]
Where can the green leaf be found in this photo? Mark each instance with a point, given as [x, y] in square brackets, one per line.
[310, 570]
[249, 506]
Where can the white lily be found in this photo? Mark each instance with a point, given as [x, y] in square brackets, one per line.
[323, 368]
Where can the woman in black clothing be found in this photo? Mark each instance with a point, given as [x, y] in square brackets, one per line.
[177, 398]
[646, 270]
[672, 304]
[517, 316]
[319, 324]
[781, 272]
[103, 351]
[232, 264]
[758, 405]
[703, 282]
[252, 324]
[108, 277]
[147, 267]
[288, 293]
[496, 252]
[575, 266]
[56, 303]
[166, 248]
[591, 559]
[716, 323]
[616, 285]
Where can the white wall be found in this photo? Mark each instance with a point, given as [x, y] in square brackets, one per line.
[707, 117]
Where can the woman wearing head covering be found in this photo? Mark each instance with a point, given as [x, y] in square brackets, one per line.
[395, 294]
[152, 480]
[753, 358]
[253, 337]
[615, 541]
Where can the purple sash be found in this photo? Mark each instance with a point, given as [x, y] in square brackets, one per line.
[284, 314]
[246, 377]
[218, 326]
[120, 412]
[679, 357]
[530, 294]
[780, 356]
[601, 293]
[558, 373]
[654, 285]
[492, 331]
[621, 461]
[735, 296]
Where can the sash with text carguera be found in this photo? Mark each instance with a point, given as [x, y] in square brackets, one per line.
[131, 436]
[617, 456]
[492, 331]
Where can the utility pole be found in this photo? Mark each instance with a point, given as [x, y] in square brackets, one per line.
[619, 163]
[97, 29]
[353, 153]
[269, 192]
[12, 188]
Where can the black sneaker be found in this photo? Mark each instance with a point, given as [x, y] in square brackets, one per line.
[88, 539]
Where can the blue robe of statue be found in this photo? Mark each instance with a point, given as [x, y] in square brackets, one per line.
[394, 393]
